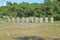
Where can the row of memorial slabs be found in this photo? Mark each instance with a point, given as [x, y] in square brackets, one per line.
[31, 19]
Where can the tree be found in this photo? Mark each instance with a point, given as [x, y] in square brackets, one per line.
[24, 9]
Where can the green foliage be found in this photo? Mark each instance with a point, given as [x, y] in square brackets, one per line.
[47, 9]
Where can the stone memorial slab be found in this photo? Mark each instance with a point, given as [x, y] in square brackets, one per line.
[9, 19]
[18, 19]
[23, 19]
[52, 20]
[41, 20]
[46, 19]
[32, 19]
[13, 19]
[27, 20]
[36, 20]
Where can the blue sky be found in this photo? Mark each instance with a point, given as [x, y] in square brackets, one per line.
[3, 2]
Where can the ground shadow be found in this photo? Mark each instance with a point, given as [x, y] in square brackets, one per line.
[35, 38]
[29, 38]
[56, 38]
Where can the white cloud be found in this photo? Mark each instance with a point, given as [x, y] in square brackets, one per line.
[4, 4]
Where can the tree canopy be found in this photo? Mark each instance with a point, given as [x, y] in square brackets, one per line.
[47, 9]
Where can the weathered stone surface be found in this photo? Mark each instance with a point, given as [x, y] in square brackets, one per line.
[27, 20]
[36, 20]
[9, 19]
[13, 19]
[32, 19]
[18, 19]
[52, 20]
[23, 19]
[46, 19]
[41, 20]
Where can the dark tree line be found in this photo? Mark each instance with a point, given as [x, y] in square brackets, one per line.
[47, 9]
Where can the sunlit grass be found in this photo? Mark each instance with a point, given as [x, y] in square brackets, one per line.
[42, 30]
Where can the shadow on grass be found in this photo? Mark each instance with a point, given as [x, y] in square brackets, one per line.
[56, 38]
[36, 38]
[29, 38]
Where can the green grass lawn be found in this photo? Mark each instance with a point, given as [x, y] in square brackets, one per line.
[41, 30]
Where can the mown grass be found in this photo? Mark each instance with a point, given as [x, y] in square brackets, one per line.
[41, 30]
